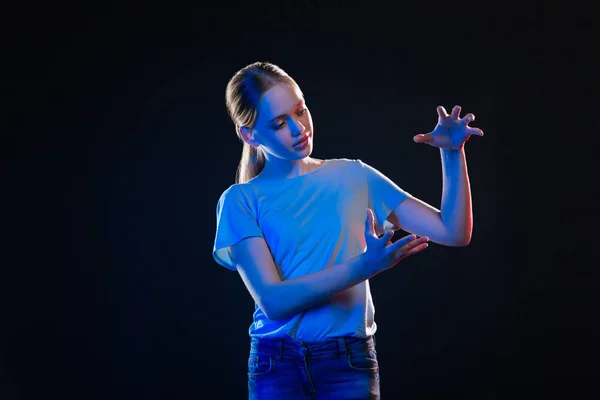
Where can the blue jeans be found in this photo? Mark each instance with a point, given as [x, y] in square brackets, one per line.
[338, 368]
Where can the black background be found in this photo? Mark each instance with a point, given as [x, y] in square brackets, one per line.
[119, 147]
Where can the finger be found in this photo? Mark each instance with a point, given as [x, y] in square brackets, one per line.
[387, 236]
[442, 112]
[423, 138]
[468, 118]
[414, 250]
[409, 244]
[370, 223]
[455, 112]
[404, 241]
[474, 131]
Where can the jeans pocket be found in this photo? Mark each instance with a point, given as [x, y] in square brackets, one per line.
[259, 364]
[363, 360]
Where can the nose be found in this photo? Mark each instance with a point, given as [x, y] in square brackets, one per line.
[296, 127]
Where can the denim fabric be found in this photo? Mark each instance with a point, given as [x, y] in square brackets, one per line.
[338, 368]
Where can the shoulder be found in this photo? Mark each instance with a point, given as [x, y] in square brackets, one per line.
[346, 166]
[238, 192]
[228, 193]
[343, 162]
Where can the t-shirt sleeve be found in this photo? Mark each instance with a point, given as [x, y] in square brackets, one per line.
[383, 196]
[235, 221]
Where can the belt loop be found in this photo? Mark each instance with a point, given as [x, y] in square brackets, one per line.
[342, 345]
[279, 346]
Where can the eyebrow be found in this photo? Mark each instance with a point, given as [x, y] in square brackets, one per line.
[283, 115]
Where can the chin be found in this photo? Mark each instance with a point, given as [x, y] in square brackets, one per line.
[307, 151]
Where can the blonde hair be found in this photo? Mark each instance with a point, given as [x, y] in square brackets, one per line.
[242, 97]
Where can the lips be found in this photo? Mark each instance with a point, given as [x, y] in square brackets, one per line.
[304, 140]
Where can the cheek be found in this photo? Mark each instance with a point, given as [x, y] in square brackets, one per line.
[309, 119]
[283, 139]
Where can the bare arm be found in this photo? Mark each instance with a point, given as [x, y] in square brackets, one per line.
[452, 225]
[456, 212]
[279, 298]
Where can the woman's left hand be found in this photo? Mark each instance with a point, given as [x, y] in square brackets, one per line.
[451, 131]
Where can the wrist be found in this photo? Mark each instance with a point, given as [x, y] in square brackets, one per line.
[363, 268]
[452, 155]
[451, 151]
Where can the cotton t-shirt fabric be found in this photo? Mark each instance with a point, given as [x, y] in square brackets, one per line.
[310, 222]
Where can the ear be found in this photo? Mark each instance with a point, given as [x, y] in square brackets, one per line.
[248, 135]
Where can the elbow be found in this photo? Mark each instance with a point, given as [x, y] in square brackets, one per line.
[462, 243]
[268, 309]
[273, 314]
[456, 234]
[271, 308]
[270, 312]
[453, 241]
[461, 240]
[456, 239]
[278, 308]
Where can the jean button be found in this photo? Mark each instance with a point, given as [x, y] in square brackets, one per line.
[302, 352]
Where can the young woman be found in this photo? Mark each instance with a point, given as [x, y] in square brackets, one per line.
[306, 234]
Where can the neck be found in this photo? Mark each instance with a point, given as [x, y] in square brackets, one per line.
[277, 168]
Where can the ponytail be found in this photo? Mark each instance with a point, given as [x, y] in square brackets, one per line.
[251, 163]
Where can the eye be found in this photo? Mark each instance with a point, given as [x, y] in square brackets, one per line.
[299, 112]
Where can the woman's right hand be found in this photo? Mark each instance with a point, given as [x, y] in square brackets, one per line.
[381, 253]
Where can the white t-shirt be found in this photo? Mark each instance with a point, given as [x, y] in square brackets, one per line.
[310, 222]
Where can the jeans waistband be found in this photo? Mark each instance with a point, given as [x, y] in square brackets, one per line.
[288, 347]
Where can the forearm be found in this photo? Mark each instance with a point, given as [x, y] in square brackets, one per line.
[294, 295]
[456, 210]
